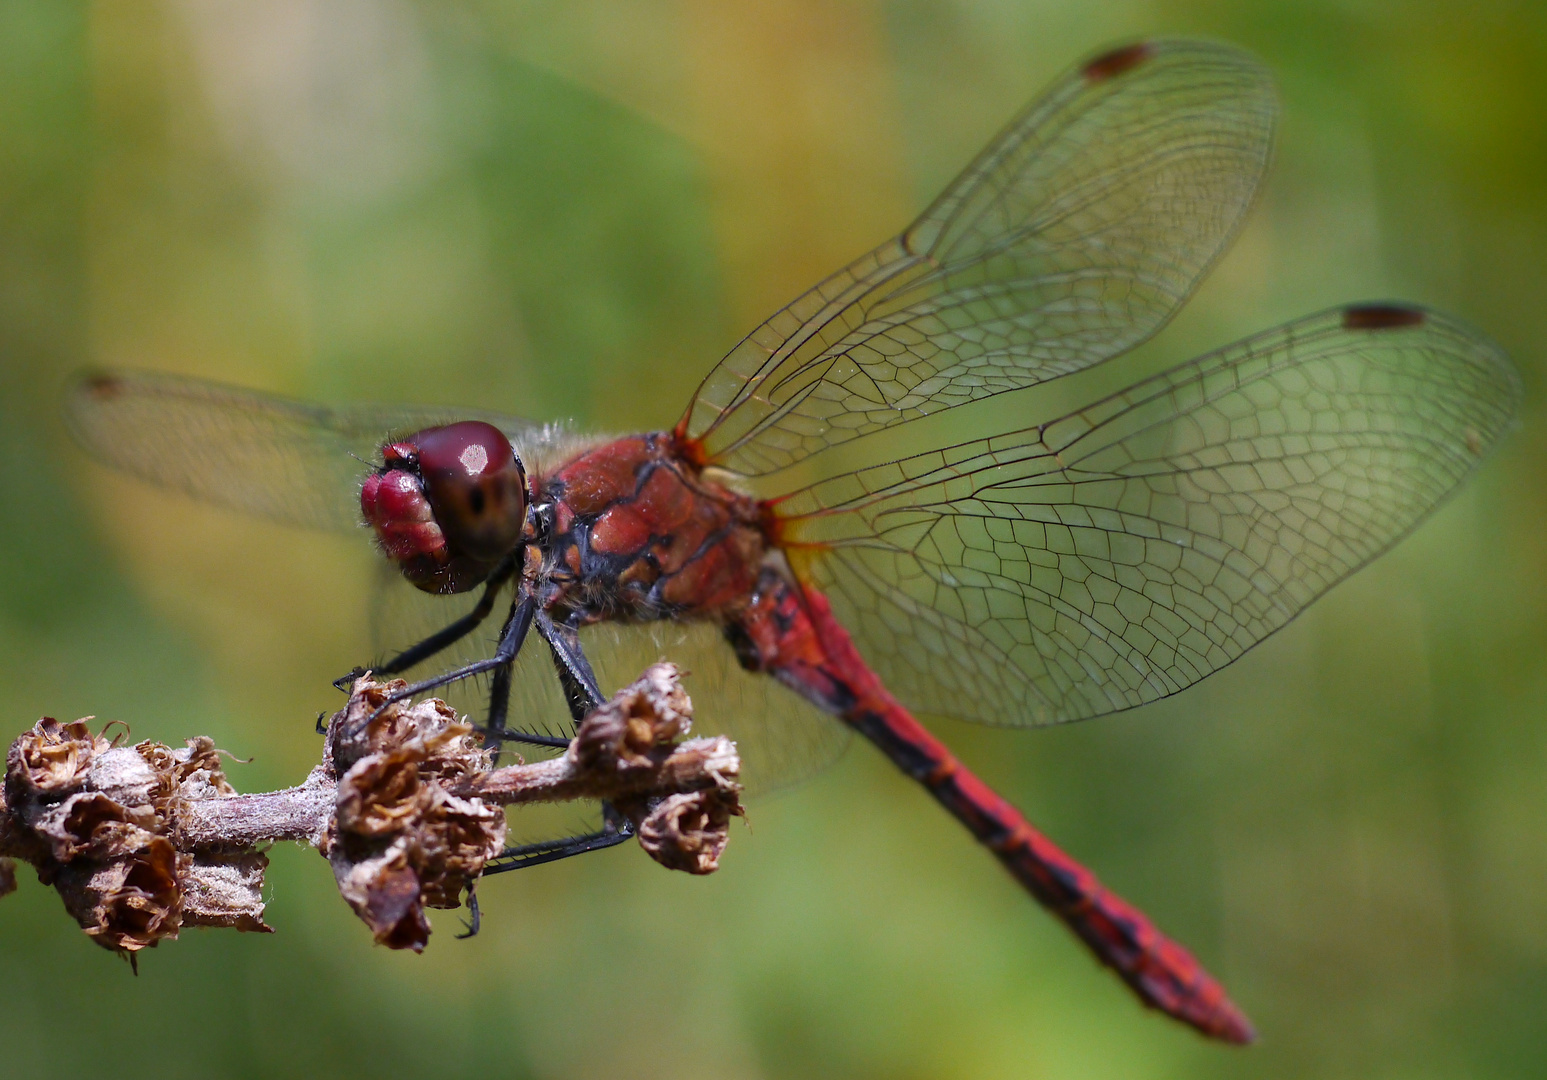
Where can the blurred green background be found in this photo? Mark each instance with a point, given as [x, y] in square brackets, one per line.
[571, 210]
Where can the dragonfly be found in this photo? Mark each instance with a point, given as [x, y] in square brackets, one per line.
[817, 580]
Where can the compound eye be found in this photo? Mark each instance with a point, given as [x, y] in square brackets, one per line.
[476, 487]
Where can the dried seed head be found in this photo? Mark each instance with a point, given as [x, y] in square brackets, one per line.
[51, 760]
[401, 841]
[651, 712]
[103, 819]
[688, 831]
[129, 903]
[384, 891]
[381, 794]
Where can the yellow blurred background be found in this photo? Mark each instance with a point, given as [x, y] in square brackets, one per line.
[570, 211]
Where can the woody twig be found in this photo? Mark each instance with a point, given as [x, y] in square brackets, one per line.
[141, 841]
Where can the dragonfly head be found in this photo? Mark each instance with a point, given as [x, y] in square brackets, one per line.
[447, 504]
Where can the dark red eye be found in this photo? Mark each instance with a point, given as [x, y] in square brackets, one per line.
[447, 505]
[476, 487]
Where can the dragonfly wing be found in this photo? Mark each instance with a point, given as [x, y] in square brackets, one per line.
[1123, 552]
[782, 738]
[287, 460]
[1073, 237]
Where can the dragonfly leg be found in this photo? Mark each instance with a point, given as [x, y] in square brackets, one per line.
[499, 708]
[583, 694]
[494, 730]
[581, 690]
[474, 916]
[447, 635]
[514, 633]
[615, 829]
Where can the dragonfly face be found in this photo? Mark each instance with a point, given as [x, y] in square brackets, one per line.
[447, 504]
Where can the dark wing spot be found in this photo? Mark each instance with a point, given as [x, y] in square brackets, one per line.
[1381, 316]
[1112, 64]
[103, 387]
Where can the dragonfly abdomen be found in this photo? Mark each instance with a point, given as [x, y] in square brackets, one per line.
[789, 631]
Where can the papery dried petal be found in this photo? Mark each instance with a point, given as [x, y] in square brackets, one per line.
[688, 831]
[94, 825]
[381, 794]
[384, 891]
[455, 839]
[128, 903]
[52, 759]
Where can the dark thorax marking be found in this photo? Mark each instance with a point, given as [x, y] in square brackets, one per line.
[631, 531]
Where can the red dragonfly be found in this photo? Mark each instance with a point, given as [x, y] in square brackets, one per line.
[1087, 564]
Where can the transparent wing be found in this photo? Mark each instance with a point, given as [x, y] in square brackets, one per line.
[783, 739]
[1126, 551]
[1073, 237]
[401, 615]
[282, 459]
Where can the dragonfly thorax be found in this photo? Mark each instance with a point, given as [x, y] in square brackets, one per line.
[632, 531]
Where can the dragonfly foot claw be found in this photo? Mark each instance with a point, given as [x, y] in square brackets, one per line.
[346, 682]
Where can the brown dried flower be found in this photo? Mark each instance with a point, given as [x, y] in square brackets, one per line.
[651, 712]
[143, 840]
[126, 903]
[52, 759]
[400, 840]
[99, 823]
[688, 831]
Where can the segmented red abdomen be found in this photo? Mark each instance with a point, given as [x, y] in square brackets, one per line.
[638, 534]
[790, 632]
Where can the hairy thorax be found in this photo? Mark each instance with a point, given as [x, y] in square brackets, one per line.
[631, 531]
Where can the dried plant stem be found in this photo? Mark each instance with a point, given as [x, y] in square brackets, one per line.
[299, 813]
[698, 765]
[143, 840]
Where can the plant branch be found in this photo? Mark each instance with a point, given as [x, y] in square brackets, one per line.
[143, 840]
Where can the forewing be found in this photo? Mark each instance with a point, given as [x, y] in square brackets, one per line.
[287, 460]
[1126, 551]
[1074, 236]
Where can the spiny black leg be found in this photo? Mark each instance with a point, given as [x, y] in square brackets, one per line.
[448, 635]
[557, 742]
[580, 688]
[518, 858]
[582, 693]
[474, 917]
[499, 708]
[494, 731]
[511, 637]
